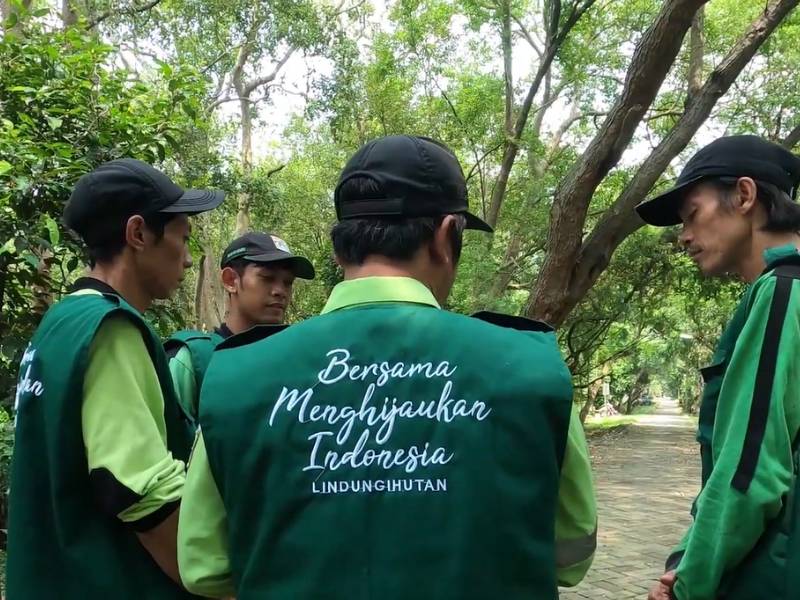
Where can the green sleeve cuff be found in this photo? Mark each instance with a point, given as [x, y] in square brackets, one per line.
[181, 369]
[202, 531]
[576, 516]
[132, 473]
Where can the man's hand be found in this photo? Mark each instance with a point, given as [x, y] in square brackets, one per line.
[663, 589]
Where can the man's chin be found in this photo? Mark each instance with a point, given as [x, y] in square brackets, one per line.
[273, 317]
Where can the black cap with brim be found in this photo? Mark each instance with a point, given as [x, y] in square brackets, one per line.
[299, 265]
[264, 248]
[106, 197]
[733, 156]
[664, 209]
[193, 202]
[474, 222]
[413, 176]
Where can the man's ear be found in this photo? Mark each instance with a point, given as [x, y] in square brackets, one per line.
[441, 247]
[747, 193]
[136, 232]
[229, 278]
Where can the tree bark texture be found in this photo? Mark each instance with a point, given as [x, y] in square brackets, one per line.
[571, 265]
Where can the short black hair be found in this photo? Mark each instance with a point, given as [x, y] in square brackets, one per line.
[783, 213]
[239, 265]
[111, 242]
[397, 238]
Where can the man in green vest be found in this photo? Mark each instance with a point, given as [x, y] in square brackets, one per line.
[101, 443]
[258, 273]
[388, 448]
[736, 201]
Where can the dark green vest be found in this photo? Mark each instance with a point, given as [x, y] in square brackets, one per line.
[60, 544]
[772, 569]
[200, 344]
[390, 451]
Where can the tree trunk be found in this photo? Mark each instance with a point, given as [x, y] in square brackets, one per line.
[591, 396]
[507, 270]
[209, 297]
[69, 16]
[243, 212]
[558, 291]
[696, 51]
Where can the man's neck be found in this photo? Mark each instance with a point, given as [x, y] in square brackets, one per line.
[237, 323]
[752, 265]
[378, 266]
[126, 284]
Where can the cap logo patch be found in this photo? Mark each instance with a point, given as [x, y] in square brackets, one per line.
[237, 253]
[280, 244]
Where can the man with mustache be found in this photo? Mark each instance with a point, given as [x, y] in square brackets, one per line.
[258, 273]
[736, 202]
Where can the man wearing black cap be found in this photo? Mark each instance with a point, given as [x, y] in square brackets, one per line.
[736, 201]
[387, 448]
[101, 443]
[258, 272]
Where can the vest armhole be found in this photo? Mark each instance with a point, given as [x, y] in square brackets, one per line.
[513, 322]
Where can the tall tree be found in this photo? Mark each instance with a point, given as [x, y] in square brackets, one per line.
[572, 264]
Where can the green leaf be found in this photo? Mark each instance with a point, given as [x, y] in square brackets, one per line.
[5, 167]
[31, 259]
[54, 122]
[8, 248]
[42, 12]
[52, 229]
[189, 110]
[11, 21]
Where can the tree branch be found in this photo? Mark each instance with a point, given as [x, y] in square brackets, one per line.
[792, 139]
[555, 39]
[251, 85]
[528, 37]
[620, 220]
[507, 72]
[134, 10]
[651, 61]
[226, 99]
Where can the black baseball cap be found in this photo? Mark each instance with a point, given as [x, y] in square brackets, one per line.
[416, 177]
[106, 197]
[265, 248]
[733, 156]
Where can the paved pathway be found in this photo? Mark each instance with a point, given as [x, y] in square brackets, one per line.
[646, 479]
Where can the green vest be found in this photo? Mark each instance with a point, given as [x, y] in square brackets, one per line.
[200, 344]
[772, 569]
[60, 544]
[390, 450]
